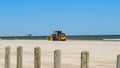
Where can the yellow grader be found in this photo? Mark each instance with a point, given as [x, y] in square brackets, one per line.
[57, 35]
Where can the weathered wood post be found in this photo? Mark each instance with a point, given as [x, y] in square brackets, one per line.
[118, 61]
[19, 57]
[37, 57]
[7, 57]
[84, 59]
[57, 59]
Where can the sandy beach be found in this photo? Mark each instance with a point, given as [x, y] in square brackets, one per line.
[103, 54]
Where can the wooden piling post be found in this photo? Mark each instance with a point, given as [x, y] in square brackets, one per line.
[37, 57]
[118, 61]
[19, 57]
[84, 59]
[7, 57]
[57, 59]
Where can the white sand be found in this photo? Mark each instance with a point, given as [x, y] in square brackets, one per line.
[103, 54]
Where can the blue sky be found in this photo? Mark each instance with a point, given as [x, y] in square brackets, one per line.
[74, 17]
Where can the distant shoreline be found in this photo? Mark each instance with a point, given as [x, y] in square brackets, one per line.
[70, 37]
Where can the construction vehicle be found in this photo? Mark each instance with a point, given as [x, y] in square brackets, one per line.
[57, 35]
